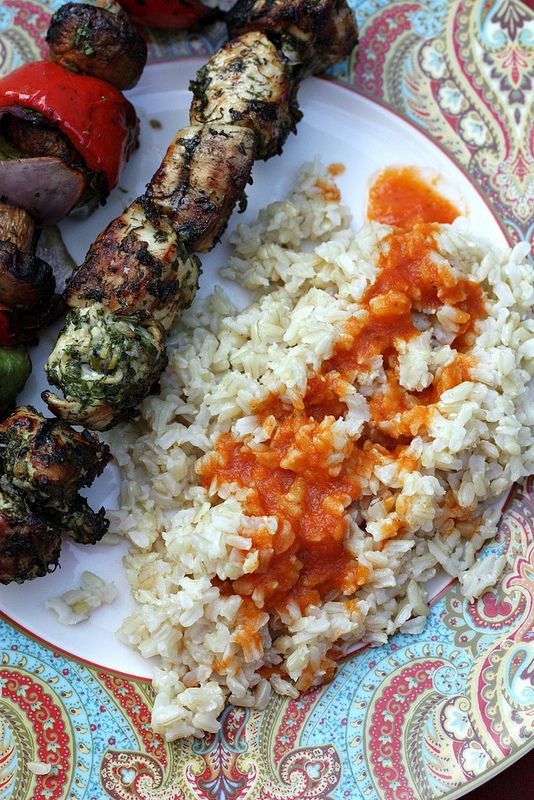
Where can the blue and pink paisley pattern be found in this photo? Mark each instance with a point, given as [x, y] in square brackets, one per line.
[420, 717]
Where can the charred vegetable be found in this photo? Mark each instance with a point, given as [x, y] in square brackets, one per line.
[105, 364]
[29, 546]
[247, 83]
[312, 34]
[95, 41]
[26, 281]
[72, 135]
[15, 369]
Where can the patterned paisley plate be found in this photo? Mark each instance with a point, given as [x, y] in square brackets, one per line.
[423, 717]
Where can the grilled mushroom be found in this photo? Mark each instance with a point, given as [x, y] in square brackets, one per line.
[97, 42]
[17, 227]
[25, 281]
[29, 546]
[312, 34]
[247, 83]
[105, 364]
[201, 178]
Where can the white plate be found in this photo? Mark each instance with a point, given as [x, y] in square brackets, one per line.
[338, 126]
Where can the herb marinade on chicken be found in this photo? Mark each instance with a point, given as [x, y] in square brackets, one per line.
[105, 362]
[43, 465]
[244, 107]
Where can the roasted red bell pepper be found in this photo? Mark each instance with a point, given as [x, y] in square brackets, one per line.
[99, 121]
[9, 328]
[166, 13]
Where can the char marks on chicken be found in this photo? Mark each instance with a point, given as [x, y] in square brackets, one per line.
[137, 263]
[46, 458]
[44, 463]
[29, 546]
[247, 83]
[201, 178]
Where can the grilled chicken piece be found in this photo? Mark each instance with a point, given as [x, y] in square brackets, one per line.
[137, 264]
[44, 463]
[312, 34]
[201, 178]
[18, 227]
[247, 83]
[105, 364]
[97, 42]
[26, 281]
[29, 546]
[48, 459]
[78, 520]
[40, 138]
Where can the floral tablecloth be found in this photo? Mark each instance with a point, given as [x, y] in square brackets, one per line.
[413, 720]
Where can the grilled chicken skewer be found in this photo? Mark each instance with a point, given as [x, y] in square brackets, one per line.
[244, 107]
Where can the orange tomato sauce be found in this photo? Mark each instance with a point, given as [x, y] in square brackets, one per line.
[400, 196]
[295, 476]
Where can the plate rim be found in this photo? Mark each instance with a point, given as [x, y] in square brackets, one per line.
[524, 749]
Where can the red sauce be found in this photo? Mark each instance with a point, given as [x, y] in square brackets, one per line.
[292, 476]
[305, 559]
[336, 169]
[400, 196]
[329, 191]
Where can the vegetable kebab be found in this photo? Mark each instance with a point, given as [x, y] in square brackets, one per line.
[64, 138]
[66, 129]
[140, 272]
